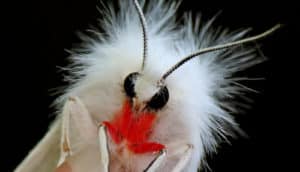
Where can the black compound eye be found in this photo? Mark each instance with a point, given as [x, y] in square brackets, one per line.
[129, 84]
[160, 99]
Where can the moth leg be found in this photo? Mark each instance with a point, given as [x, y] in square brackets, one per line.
[185, 152]
[152, 167]
[77, 126]
[65, 148]
[104, 149]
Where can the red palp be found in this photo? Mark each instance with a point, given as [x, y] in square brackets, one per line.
[133, 129]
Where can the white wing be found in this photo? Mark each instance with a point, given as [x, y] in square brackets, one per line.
[69, 134]
[45, 155]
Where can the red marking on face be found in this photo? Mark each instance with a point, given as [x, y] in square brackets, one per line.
[133, 129]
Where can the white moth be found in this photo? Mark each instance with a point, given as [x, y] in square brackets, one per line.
[146, 103]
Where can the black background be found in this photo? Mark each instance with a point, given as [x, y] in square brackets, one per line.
[36, 35]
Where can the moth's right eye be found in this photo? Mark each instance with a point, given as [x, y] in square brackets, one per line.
[129, 84]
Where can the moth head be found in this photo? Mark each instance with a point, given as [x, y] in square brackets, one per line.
[99, 148]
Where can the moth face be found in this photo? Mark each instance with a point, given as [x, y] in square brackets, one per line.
[125, 141]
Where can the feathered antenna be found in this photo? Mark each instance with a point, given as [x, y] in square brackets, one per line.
[144, 29]
[215, 48]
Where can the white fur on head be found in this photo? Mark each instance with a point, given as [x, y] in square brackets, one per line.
[194, 113]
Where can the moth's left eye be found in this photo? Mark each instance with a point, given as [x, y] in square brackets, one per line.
[160, 99]
[129, 84]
